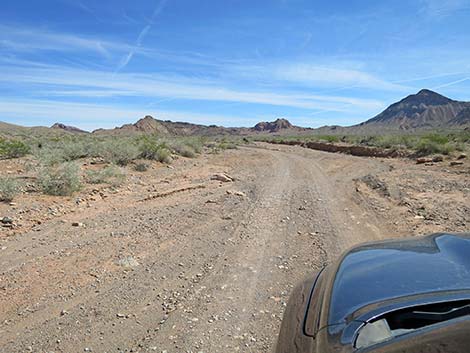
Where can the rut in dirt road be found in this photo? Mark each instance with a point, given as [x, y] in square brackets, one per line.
[205, 276]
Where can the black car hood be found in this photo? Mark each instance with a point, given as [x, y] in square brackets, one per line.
[384, 271]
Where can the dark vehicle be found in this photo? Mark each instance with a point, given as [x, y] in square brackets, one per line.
[401, 296]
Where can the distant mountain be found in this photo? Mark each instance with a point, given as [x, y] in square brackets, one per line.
[68, 128]
[274, 126]
[424, 110]
[150, 125]
[16, 131]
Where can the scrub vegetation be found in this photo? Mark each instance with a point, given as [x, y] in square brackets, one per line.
[421, 144]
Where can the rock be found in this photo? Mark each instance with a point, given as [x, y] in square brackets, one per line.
[77, 224]
[423, 160]
[437, 159]
[128, 262]
[454, 163]
[375, 184]
[225, 178]
[121, 316]
[462, 156]
[236, 193]
[7, 220]
[211, 201]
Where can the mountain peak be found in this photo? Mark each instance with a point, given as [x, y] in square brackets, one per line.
[274, 126]
[425, 109]
[68, 128]
[427, 97]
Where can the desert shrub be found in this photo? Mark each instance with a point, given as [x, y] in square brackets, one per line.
[226, 145]
[119, 152]
[196, 144]
[184, 150]
[150, 148]
[49, 156]
[13, 149]
[186, 147]
[9, 188]
[72, 150]
[426, 147]
[458, 146]
[112, 175]
[436, 138]
[62, 179]
[328, 138]
[65, 150]
[141, 167]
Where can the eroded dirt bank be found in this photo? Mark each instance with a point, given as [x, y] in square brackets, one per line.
[210, 268]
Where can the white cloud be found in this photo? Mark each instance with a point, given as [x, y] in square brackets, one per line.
[318, 75]
[315, 75]
[93, 116]
[18, 41]
[175, 87]
[33, 39]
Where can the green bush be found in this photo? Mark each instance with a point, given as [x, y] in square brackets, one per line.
[55, 152]
[436, 138]
[112, 175]
[13, 149]
[119, 152]
[426, 147]
[72, 150]
[9, 188]
[151, 149]
[61, 180]
[184, 150]
[196, 144]
[329, 138]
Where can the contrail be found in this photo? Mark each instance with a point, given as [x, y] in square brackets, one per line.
[452, 83]
[143, 33]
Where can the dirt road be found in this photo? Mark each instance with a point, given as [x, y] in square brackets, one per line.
[202, 270]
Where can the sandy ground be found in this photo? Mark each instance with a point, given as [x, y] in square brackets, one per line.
[176, 262]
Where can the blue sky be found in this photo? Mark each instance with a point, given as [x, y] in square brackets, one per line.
[104, 63]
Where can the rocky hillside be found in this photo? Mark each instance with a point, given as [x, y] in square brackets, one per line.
[68, 128]
[421, 111]
[424, 110]
[150, 125]
[274, 126]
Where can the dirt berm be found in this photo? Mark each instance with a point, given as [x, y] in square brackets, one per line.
[354, 150]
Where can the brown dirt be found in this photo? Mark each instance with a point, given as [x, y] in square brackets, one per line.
[204, 269]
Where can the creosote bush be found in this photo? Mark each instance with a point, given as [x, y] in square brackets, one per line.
[60, 180]
[184, 150]
[9, 188]
[152, 149]
[120, 152]
[112, 175]
[13, 149]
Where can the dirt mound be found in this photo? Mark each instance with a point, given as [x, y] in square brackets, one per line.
[348, 149]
